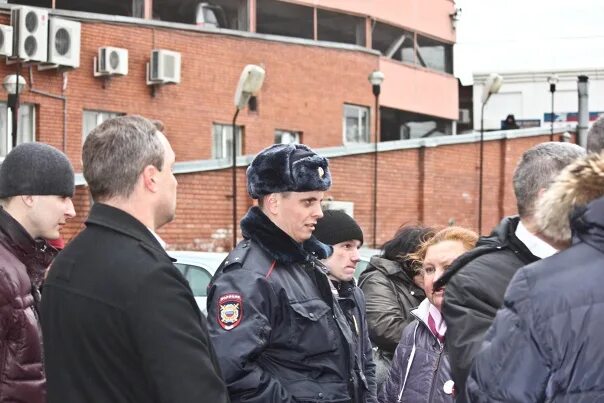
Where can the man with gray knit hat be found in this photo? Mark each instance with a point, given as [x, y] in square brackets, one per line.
[36, 187]
[274, 322]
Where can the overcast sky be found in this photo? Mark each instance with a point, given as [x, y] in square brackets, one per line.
[528, 35]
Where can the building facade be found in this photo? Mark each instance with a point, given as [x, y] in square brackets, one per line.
[317, 56]
[527, 96]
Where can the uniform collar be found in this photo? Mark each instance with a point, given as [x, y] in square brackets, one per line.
[274, 241]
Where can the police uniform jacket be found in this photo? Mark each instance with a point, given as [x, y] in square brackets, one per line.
[275, 324]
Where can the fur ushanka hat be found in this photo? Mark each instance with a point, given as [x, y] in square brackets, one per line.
[287, 168]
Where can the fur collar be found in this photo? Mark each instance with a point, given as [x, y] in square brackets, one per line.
[576, 186]
[280, 246]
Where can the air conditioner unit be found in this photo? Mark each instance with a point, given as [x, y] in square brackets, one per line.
[6, 40]
[164, 67]
[111, 61]
[30, 28]
[64, 42]
[464, 116]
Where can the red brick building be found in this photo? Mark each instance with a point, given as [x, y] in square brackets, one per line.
[315, 92]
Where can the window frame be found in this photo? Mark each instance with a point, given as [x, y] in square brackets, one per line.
[99, 113]
[225, 143]
[6, 137]
[367, 134]
[280, 132]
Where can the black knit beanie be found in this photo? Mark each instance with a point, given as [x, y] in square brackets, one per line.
[336, 226]
[36, 169]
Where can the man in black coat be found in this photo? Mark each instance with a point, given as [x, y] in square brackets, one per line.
[342, 232]
[546, 344]
[276, 326]
[119, 321]
[476, 283]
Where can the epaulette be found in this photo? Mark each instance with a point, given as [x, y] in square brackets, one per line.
[237, 256]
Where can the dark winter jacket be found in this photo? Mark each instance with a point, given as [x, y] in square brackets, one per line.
[390, 295]
[23, 262]
[352, 302]
[546, 344]
[429, 370]
[276, 326]
[120, 322]
[475, 286]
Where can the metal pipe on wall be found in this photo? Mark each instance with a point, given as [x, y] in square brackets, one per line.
[583, 86]
[49, 95]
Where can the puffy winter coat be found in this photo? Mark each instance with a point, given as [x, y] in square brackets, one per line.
[420, 368]
[23, 261]
[546, 344]
[390, 296]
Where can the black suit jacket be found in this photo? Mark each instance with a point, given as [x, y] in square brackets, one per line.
[120, 323]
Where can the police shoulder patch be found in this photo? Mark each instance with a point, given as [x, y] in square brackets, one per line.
[230, 310]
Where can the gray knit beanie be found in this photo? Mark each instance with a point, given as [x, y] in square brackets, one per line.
[36, 169]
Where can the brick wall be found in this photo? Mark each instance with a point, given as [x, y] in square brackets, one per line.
[433, 185]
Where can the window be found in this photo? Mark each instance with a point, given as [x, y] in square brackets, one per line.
[94, 118]
[287, 137]
[223, 141]
[338, 27]
[287, 19]
[356, 124]
[434, 54]
[26, 126]
[402, 125]
[393, 42]
[199, 279]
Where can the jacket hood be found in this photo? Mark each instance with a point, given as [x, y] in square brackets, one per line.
[576, 186]
[274, 241]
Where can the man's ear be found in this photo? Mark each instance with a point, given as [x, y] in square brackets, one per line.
[272, 203]
[28, 200]
[149, 175]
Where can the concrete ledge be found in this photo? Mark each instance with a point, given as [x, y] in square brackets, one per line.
[186, 167]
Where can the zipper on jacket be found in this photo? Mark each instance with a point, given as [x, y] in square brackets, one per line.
[435, 374]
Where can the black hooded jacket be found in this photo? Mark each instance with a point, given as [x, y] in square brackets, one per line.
[475, 286]
[279, 332]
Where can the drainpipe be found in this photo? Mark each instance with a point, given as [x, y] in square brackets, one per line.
[583, 87]
[59, 97]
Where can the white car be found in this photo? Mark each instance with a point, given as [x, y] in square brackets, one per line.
[198, 268]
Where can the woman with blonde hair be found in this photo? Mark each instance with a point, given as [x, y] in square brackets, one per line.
[420, 370]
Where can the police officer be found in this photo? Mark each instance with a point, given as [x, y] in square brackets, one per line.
[274, 322]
